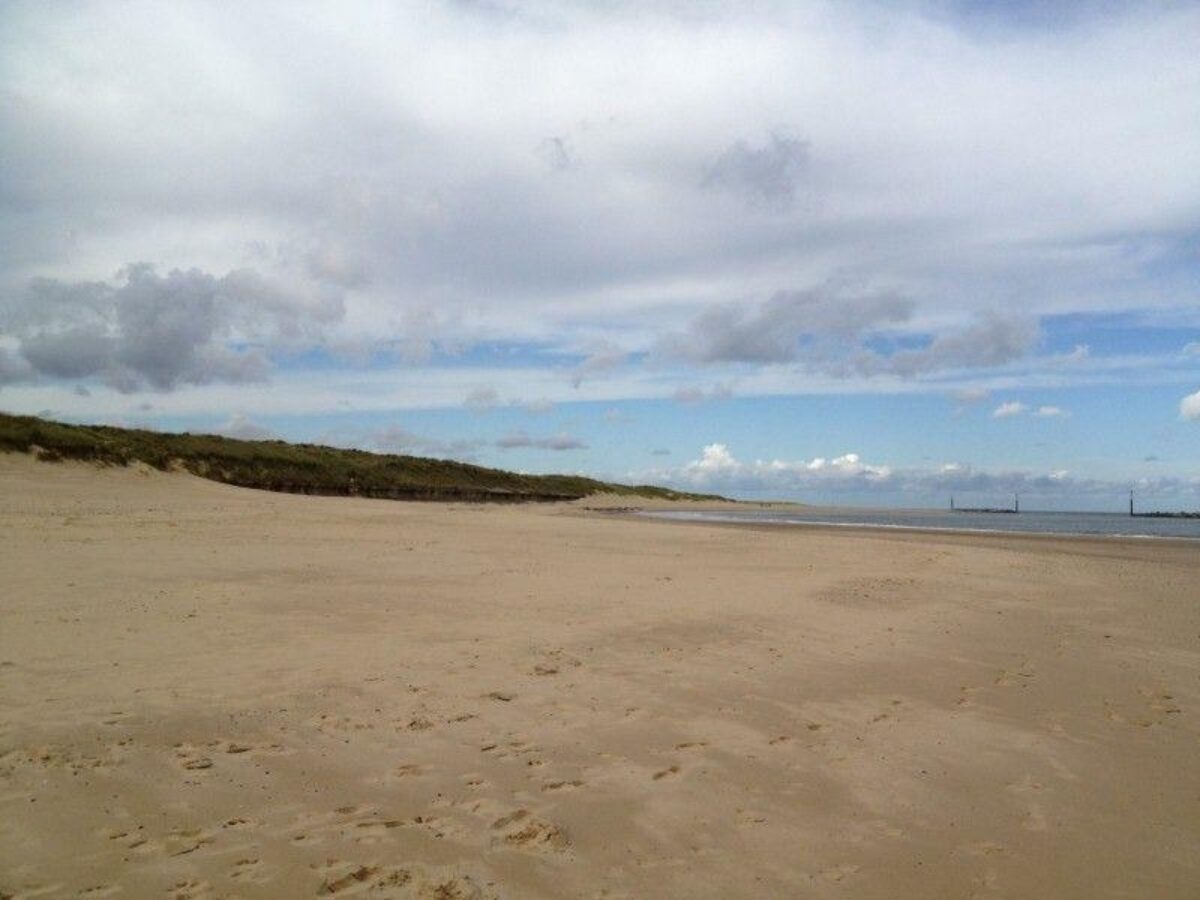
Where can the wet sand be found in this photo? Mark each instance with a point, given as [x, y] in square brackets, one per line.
[210, 692]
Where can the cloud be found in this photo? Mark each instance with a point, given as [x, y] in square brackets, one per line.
[1008, 409]
[992, 340]
[717, 469]
[692, 395]
[539, 407]
[1050, 412]
[161, 332]
[971, 396]
[1189, 407]
[772, 331]
[556, 153]
[764, 176]
[482, 400]
[830, 330]
[604, 357]
[13, 367]
[561, 441]
[395, 439]
[614, 416]
[1192, 349]
[241, 427]
[401, 198]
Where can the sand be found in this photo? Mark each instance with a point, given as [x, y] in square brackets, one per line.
[210, 692]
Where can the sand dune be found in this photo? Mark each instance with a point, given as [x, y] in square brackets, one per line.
[208, 692]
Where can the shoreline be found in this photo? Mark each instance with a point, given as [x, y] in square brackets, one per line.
[867, 527]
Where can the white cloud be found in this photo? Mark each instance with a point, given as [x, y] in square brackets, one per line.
[242, 427]
[1050, 412]
[718, 470]
[1008, 409]
[1189, 407]
[1192, 349]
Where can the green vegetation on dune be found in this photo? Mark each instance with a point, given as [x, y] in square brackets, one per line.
[301, 468]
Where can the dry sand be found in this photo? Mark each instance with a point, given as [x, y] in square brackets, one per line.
[209, 692]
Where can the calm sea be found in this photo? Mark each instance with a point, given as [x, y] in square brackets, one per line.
[944, 520]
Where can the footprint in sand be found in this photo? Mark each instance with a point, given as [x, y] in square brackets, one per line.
[251, 870]
[360, 824]
[985, 848]
[562, 785]
[838, 874]
[1019, 675]
[406, 770]
[345, 879]
[522, 830]
[100, 890]
[666, 773]
[352, 878]
[183, 841]
[191, 890]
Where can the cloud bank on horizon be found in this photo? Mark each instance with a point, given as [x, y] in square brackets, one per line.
[416, 228]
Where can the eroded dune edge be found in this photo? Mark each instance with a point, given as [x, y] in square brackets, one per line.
[213, 692]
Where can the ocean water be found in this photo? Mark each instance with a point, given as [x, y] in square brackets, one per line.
[1078, 523]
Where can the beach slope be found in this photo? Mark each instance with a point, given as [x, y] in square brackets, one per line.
[207, 691]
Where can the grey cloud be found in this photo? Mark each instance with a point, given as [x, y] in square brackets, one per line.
[772, 332]
[691, 395]
[991, 341]
[556, 153]
[604, 357]
[482, 400]
[827, 330]
[395, 439]
[560, 441]
[13, 367]
[160, 331]
[971, 396]
[765, 176]
[338, 267]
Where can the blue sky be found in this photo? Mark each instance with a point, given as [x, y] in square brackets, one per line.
[843, 252]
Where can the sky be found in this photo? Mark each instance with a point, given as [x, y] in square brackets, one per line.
[856, 252]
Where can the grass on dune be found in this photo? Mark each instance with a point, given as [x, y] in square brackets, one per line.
[301, 468]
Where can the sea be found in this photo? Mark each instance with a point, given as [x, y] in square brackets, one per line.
[1061, 523]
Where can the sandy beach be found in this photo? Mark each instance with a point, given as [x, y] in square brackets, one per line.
[210, 692]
